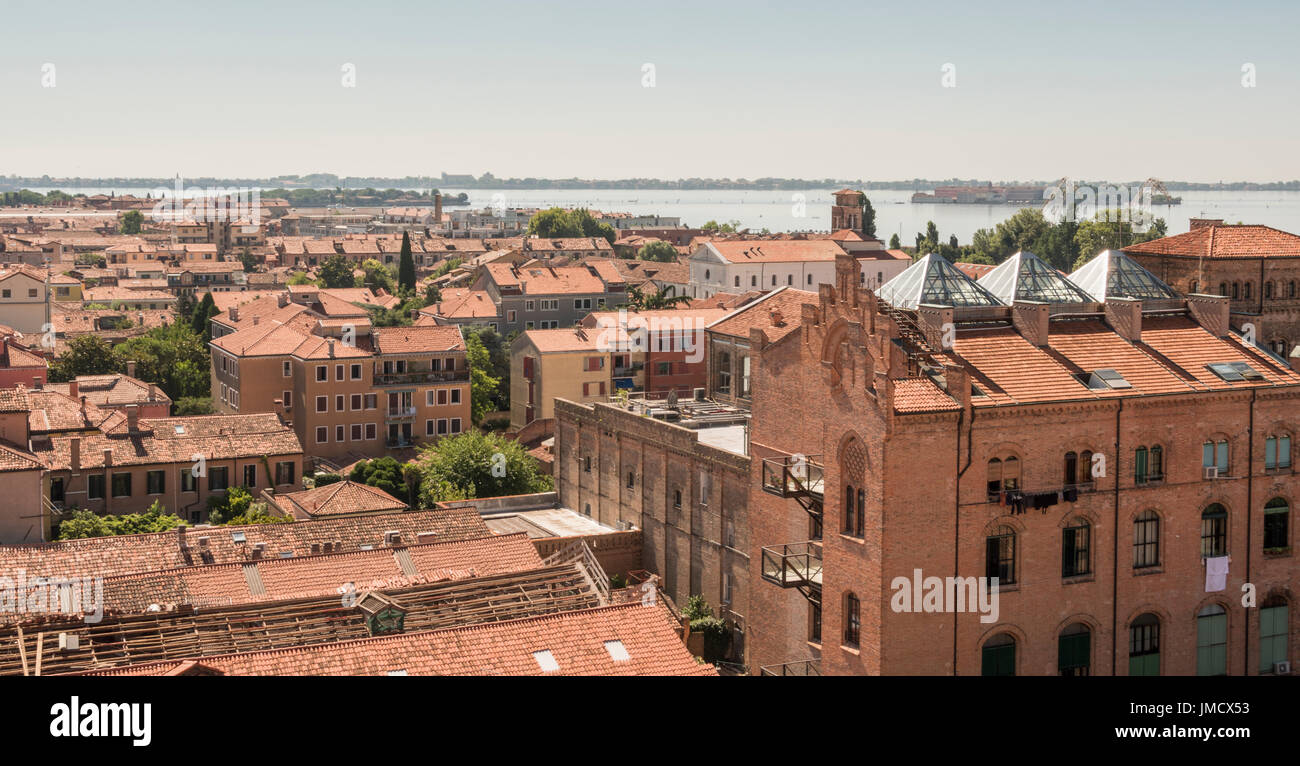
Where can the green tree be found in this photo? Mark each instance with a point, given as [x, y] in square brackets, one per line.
[642, 301]
[894, 244]
[660, 251]
[1109, 230]
[499, 355]
[299, 278]
[82, 523]
[336, 271]
[461, 467]
[378, 277]
[406, 265]
[131, 222]
[720, 228]
[200, 318]
[383, 473]
[868, 217]
[248, 260]
[192, 405]
[173, 356]
[85, 355]
[482, 383]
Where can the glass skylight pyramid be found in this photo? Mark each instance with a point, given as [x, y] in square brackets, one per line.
[933, 280]
[1026, 277]
[1112, 274]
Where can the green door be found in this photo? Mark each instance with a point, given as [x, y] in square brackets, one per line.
[1212, 644]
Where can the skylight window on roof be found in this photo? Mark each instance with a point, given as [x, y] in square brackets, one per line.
[546, 661]
[1227, 371]
[180, 430]
[1247, 372]
[400, 672]
[617, 652]
[1107, 378]
[238, 536]
[286, 554]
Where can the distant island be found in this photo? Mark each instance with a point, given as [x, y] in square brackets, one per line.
[323, 181]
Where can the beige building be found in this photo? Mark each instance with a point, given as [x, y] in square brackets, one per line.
[578, 364]
[22, 298]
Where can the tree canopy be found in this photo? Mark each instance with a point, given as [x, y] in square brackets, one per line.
[461, 467]
[336, 271]
[558, 222]
[406, 265]
[661, 251]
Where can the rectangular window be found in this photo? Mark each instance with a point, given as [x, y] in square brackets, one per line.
[442, 396]
[155, 482]
[356, 432]
[322, 374]
[95, 487]
[338, 433]
[428, 428]
[322, 404]
[442, 426]
[121, 485]
[250, 476]
[356, 402]
[287, 399]
[1074, 551]
[189, 483]
[356, 372]
[372, 401]
[218, 479]
[286, 371]
[56, 490]
[322, 434]
[455, 396]
[370, 431]
[284, 473]
[455, 425]
[339, 402]
[338, 372]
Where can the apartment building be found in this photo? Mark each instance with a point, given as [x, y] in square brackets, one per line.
[117, 392]
[546, 297]
[23, 298]
[346, 390]
[1123, 467]
[1256, 267]
[578, 364]
[766, 264]
[672, 341]
[20, 363]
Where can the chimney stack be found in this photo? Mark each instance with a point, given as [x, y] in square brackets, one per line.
[1201, 223]
[130, 369]
[1210, 312]
[234, 313]
[108, 458]
[74, 389]
[1124, 315]
[282, 300]
[1032, 320]
[331, 346]
[132, 418]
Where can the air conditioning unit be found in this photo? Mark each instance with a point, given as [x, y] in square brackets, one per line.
[1282, 668]
[392, 537]
[1211, 472]
[699, 394]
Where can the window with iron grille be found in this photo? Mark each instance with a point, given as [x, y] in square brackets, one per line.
[1075, 558]
[1214, 531]
[852, 620]
[1146, 540]
[1000, 556]
[1144, 646]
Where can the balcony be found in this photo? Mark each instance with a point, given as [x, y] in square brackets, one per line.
[399, 413]
[801, 668]
[401, 442]
[794, 476]
[795, 565]
[422, 376]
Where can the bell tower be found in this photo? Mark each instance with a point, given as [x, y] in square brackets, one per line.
[846, 213]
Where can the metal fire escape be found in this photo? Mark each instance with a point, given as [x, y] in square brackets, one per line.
[797, 565]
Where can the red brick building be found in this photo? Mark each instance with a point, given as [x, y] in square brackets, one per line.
[1256, 267]
[1093, 456]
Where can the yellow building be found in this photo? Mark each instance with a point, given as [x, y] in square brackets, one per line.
[578, 364]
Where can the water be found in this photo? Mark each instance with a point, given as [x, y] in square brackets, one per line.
[895, 214]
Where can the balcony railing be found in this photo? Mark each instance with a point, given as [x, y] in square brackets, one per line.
[400, 412]
[794, 476]
[423, 376]
[801, 668]
[794, 565]
[399, 443]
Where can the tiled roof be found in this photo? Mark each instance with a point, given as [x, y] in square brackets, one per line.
[282, 579]
[566, 339]
[54, 410]
[131, 554]
[341, 497]
[776, 250]
[174, 441]
[113, 390]
[912, 395]
[1223, 241]
[567, 243]
[787, 300]
[15, 458]
[974, 270]
[415, 340]
[620, 640]
[14, 400]
[463, 303]
[15, 356]
[543, 280]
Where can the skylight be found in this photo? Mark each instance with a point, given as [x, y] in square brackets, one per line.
[546, 661]
[1235, 372]
[238, 536]
[1107, 378]
[401, 672]
[180, 429]
[617, 652]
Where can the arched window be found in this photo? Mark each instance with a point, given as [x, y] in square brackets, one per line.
[1268, 290]
[848, 509]
[1277, 451]
[1291, 289]
[1074, 650]
[995, 479]
[1000, 555]
[1236, 290]
[810, 279]
[706, 273]
[1146, 540]
[852, 620]
[1273, 629]
[1215, 455]
[1140, 465]
[1011, 473]
[1071, 467]
[862, 513]
[1148, 464]
[1076, 548]
[1085, 467]
[1144, 646]
[999, 656]
[1223, 288]
[1214, 531]
[1277, 523]
[1212, 641]
[1246, 290]
[1156, 466]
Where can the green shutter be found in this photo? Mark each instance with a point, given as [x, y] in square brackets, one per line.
[1073, 651]
[999, 660]
[1211, 645]
[1144, 665]
[1272, 637]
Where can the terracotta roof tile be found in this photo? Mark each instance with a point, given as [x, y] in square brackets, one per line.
[912, 395]
[788, 301]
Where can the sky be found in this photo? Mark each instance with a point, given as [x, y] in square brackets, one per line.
[1117, 91]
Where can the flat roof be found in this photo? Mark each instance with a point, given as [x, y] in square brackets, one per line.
[544, 522]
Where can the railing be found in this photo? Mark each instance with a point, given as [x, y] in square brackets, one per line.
[794, 476]
[425, 376]
[399, 443]
[801, 668]
[1002, 495]
[793, 565]
[400, 412]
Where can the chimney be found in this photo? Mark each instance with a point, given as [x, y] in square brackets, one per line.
[234, 313]
[74, 389]
[180, 536]
[1201, 223]
[958, 383]
[777, 319]
[132, 418]
[130, 369]
[437, 208]
[1124, 315]
[1210, 312]
[255, 320]
[74, 450]
[108, 458]
[282, 300]
[331, 345]
[1032, 319]
[936, 322]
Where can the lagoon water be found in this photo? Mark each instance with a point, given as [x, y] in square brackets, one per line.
[895, 213]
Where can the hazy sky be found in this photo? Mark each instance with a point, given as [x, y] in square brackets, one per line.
[1120, 91]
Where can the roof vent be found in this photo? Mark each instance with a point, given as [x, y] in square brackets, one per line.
[392, 537]
[238, 536]
[546, 661]
[617, 652]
